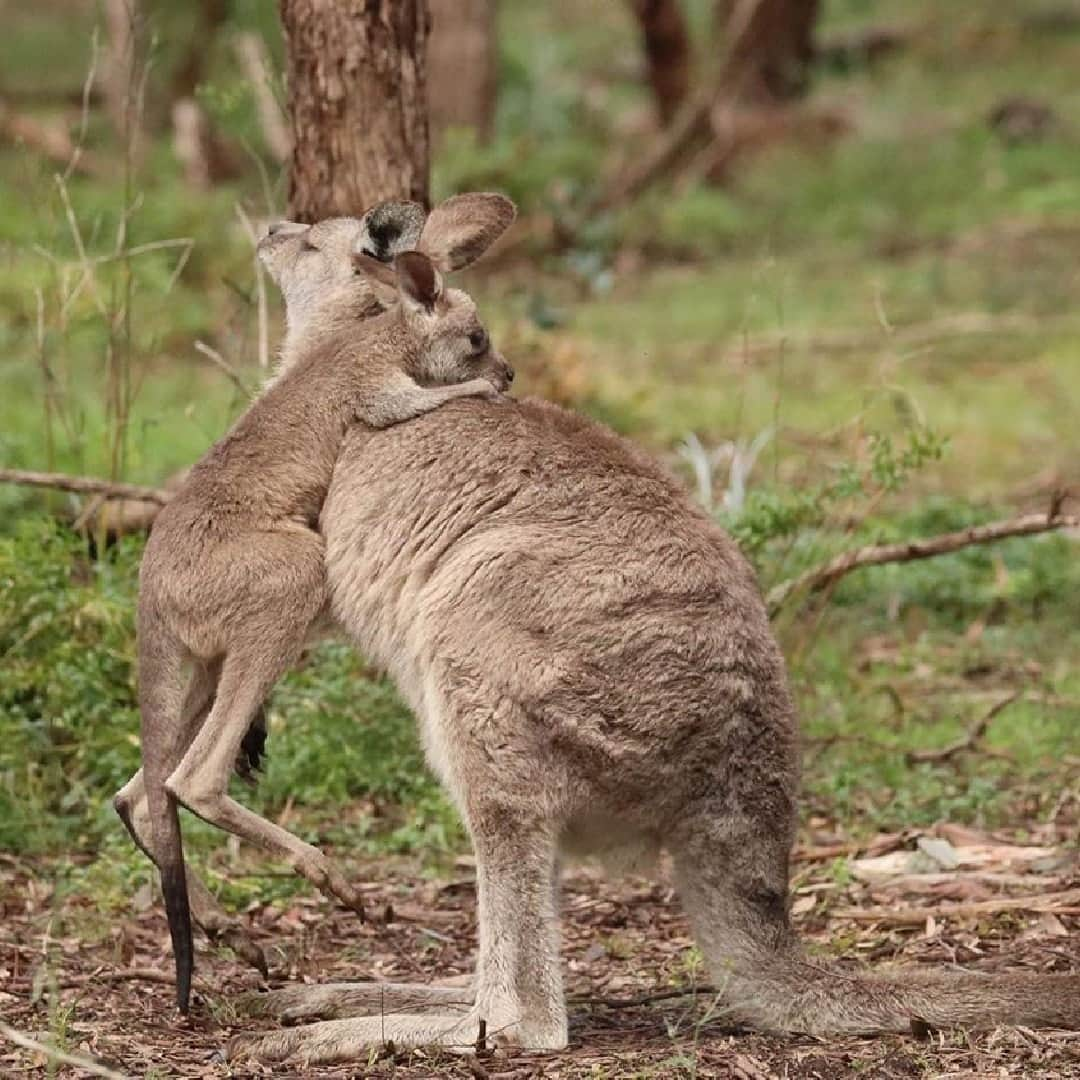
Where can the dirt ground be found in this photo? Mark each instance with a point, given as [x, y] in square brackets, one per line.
[954, 897]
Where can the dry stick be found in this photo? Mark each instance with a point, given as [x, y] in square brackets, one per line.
[643, 999]
[970, 740]
[78, 1061]
[877, 554]
[219, 361]
[85, 485]
[51, 142]
[1060, 903]
[260, 289]
[124, 975]
[251, 52]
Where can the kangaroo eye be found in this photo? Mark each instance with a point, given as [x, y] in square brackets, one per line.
[478, 339]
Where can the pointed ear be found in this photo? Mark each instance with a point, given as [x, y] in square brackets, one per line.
[459, 230]
[419, 283]
[381, 278]
[390, 227]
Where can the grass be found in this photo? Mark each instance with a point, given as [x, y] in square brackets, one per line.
[919, 271]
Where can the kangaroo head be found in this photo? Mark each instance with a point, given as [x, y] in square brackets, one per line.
[312, 264]
[448, 342]
[340, 269]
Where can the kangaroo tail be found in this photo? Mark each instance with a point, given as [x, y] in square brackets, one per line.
[736, 897]
[794, 994]
[160, 703]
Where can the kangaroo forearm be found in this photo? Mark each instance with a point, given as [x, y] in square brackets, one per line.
[407, 401]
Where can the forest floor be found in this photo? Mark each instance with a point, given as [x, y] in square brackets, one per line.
[945, 897]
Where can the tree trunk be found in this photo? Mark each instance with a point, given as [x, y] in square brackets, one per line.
[357, 103]
[667, 51]
[462, 66]
[770, 46]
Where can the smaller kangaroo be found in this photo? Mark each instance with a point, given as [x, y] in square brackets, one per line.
[233, 574]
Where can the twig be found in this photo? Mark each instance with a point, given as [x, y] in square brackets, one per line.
[62, 1057]
[251, 52]
[219, 361]
[877, 554]
[51, 142]
[643, 999]
[85, 485]
[260, 290]
[1061, 903]
[970, 740]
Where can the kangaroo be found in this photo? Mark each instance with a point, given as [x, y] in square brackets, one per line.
[593, 672]
[233, 575]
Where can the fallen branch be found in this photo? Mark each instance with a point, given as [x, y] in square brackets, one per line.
[85, 485]
[61, 1057]
[643, 999]
[829, 573]
[974, 735]
[1060, 903]
[52, 142]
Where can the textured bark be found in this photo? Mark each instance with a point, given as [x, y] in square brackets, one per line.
[667, 51]
[462, 66]
[770, 47]
[357, 103]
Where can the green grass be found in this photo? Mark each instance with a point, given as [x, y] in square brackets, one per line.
[918, 271]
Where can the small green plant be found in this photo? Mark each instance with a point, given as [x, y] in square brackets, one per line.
[69, 719]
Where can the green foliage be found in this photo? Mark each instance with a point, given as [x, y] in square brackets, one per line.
[914, 277]
[69, 719]
[769, 516]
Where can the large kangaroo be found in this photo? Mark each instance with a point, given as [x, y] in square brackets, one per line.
[592, 669]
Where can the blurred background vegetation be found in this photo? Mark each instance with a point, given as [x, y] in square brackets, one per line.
[845, 314]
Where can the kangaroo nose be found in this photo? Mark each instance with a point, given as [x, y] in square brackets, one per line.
[275, 226]
[509, 374]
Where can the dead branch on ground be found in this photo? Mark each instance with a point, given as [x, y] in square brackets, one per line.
[642, 999]
[59, 1057]
[970, 741]
[50, 140]
[823, 576]
[85, 485]
[1058, 903]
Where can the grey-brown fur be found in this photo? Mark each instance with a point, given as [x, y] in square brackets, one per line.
[233, 574]
[593, 671]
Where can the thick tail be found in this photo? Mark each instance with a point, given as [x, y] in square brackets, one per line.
[160, 704]
[733, 882]
[794, 994]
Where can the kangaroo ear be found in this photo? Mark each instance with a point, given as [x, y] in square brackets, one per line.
[459, 230]
[381, 278]
[419, 283]
[390, 227]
